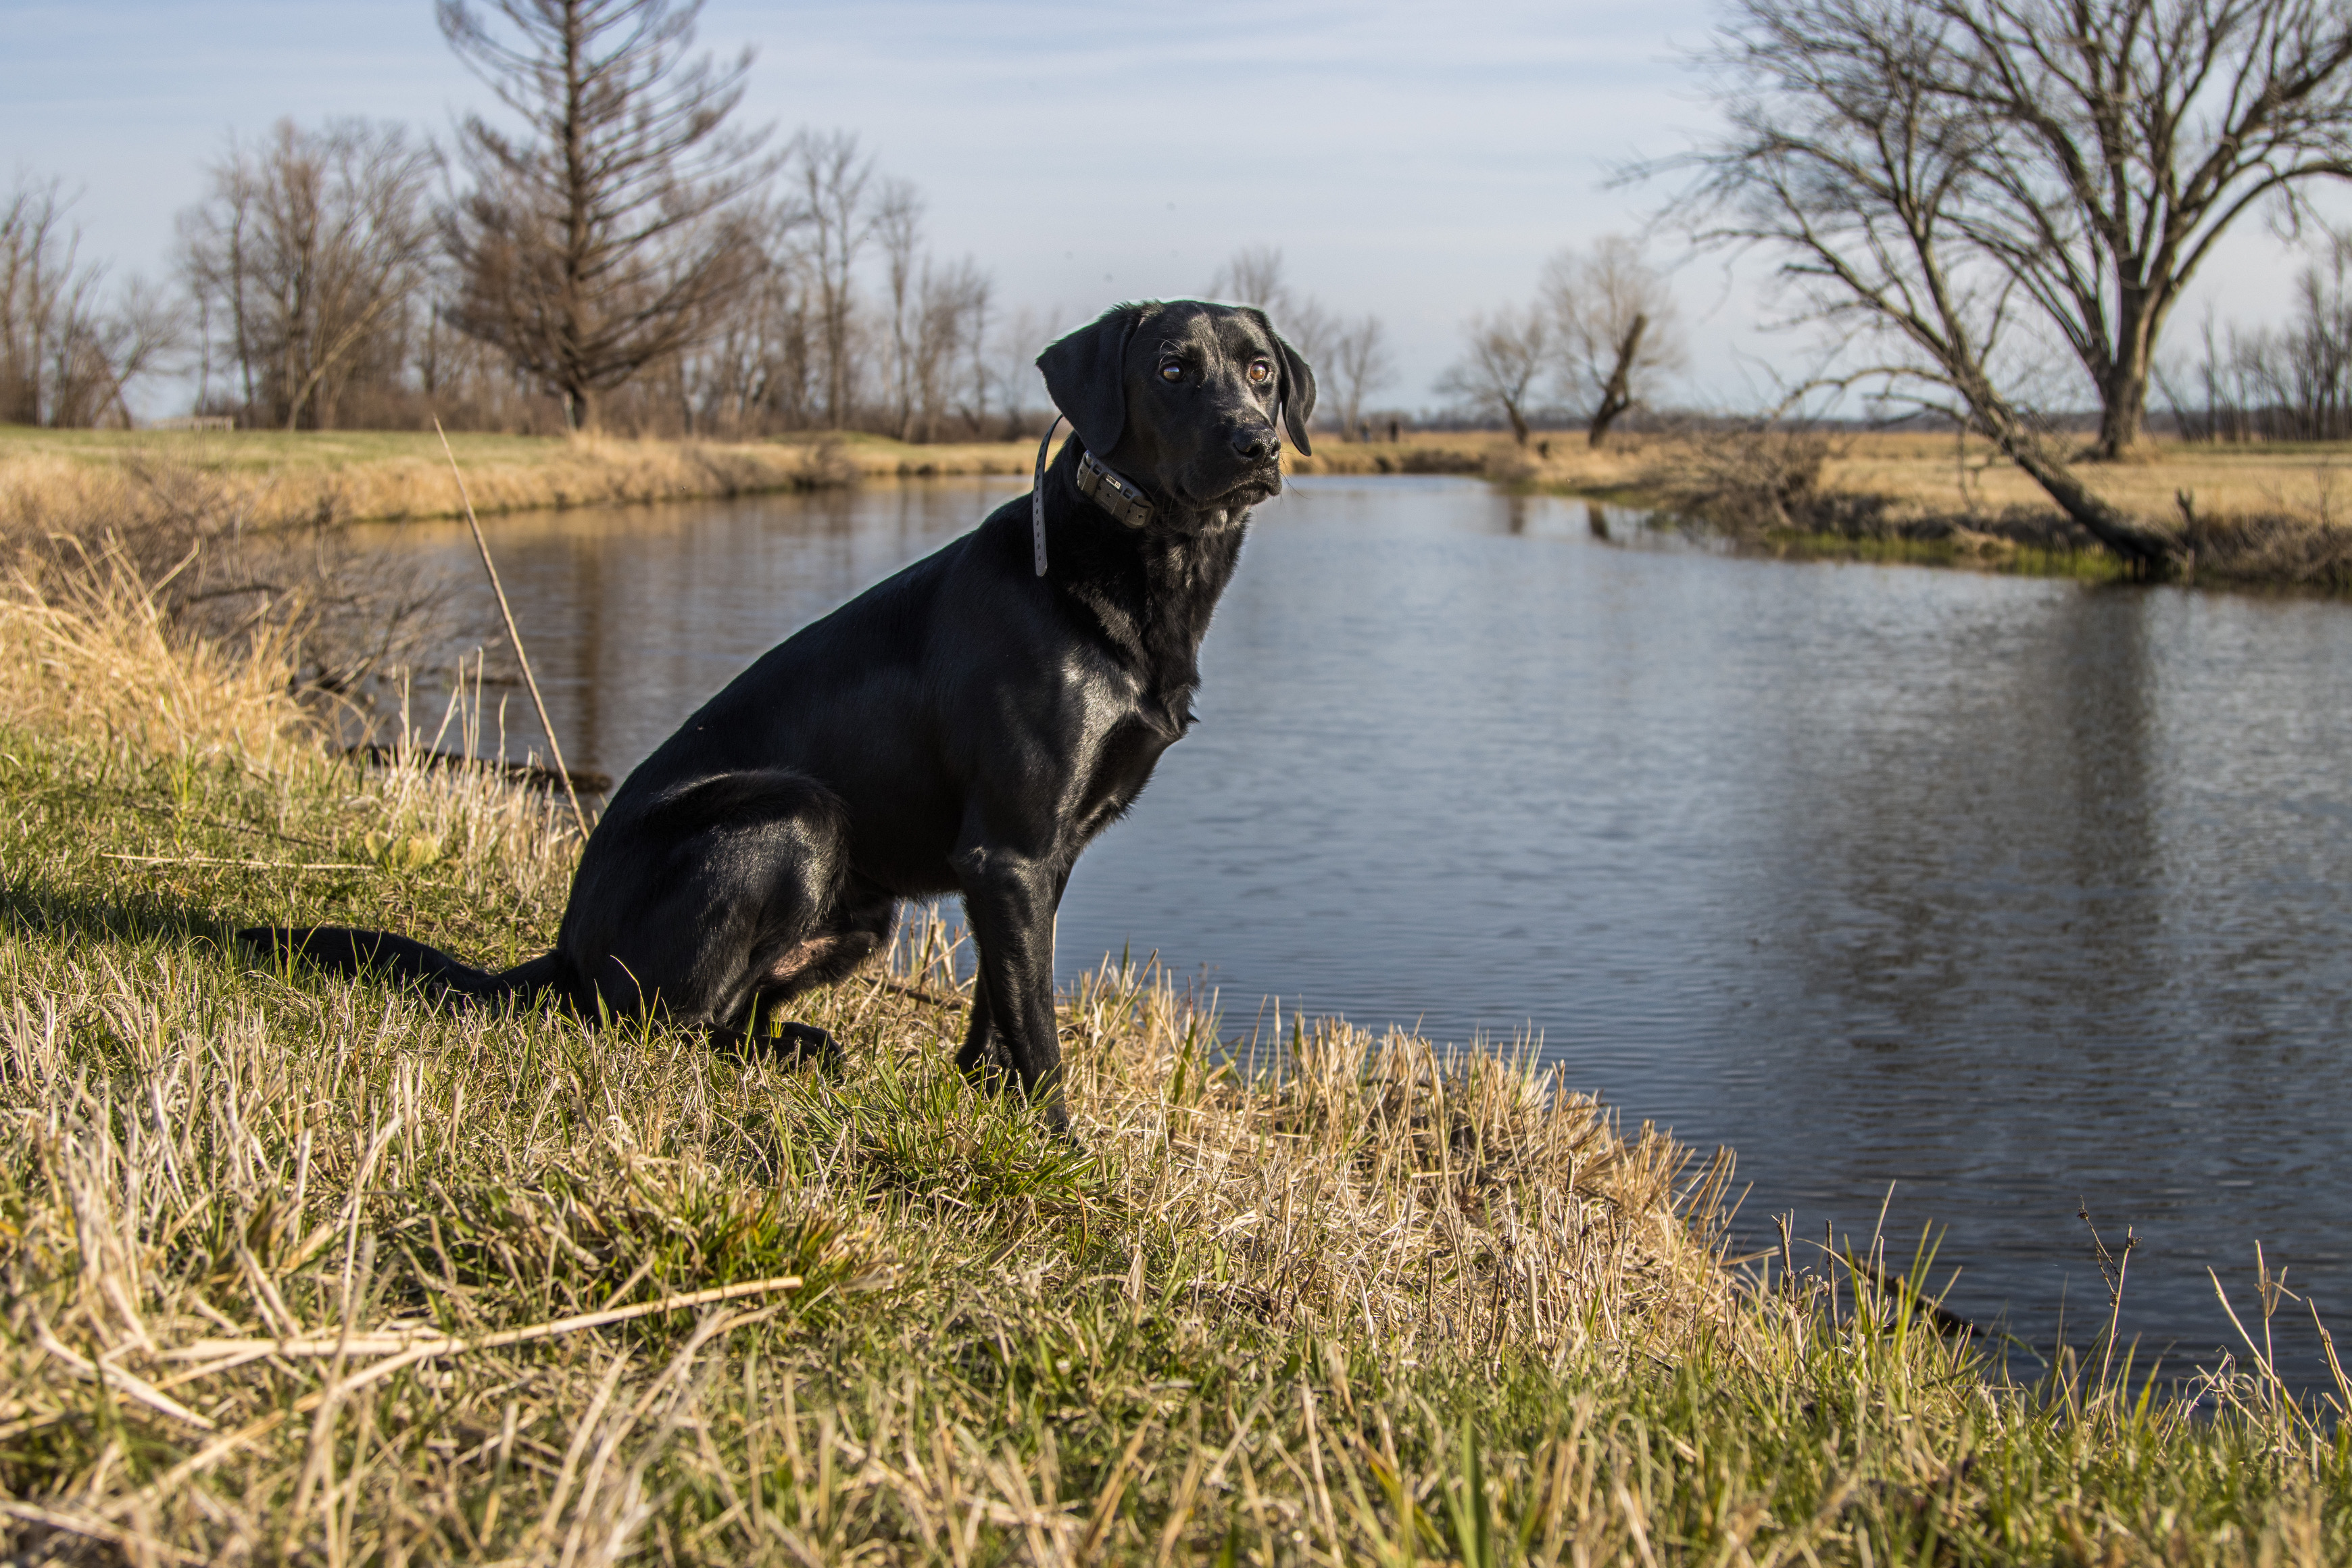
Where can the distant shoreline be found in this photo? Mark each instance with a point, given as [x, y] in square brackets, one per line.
[2265, 513]
[279, 477]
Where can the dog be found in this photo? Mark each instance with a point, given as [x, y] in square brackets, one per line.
[967, 726]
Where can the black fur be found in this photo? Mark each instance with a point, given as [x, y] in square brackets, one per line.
[964, 726]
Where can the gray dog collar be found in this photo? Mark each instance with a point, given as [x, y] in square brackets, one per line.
[1115, 495]
[1097, 481]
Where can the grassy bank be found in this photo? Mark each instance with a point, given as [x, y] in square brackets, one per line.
[297, 1269]
[277, 477]
[2266, 515]
[2277, 515]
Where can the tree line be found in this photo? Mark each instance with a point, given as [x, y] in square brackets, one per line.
[1991, 208]
[614, 252]
[2292, 382]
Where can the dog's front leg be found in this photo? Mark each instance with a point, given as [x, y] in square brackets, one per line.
[1009, 900]
[983, 1056]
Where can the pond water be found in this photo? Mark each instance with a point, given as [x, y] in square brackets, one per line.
[2019, 897]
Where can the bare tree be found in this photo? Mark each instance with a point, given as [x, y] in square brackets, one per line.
[1506, 357]
[65, 358]
[834, 177]
[41, 283]
[950, 315]
[898, 229]
[621, 227]
[1253, 276]
[1360, 364]
[1012, 358]
[765, 367]
[1973, 185]
[143, 331]
[2293, 382]
[974, 377]
[309, 252]
[1614, 318]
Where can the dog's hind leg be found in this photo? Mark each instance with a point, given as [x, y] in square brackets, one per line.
[856, 927]
[716, 895]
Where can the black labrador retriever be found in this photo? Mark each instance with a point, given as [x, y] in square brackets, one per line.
[966, 726]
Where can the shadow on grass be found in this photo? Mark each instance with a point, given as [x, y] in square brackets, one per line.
[33, 905]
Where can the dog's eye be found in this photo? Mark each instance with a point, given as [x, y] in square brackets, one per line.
[1171, 371]
[1261, 372]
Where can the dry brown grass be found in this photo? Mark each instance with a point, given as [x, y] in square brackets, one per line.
[1941, 474]
[97, 656]
[275, 477]
[2279, 515]
[313, 1269]
[1554, 460]
[311, 1192]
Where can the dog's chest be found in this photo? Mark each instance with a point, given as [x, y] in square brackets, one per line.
[1121, 766]
[1153, 639]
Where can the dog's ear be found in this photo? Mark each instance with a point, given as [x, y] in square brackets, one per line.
[1085, 375]
[1297, 391]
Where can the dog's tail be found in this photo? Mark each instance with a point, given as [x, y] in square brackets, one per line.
[340, 950]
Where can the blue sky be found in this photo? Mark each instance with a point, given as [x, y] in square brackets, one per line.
[1414, 160]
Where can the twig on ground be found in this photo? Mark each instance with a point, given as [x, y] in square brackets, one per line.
[406, 1349]
[253, 865]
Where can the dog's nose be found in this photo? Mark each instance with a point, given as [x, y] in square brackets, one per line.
[1255, 445]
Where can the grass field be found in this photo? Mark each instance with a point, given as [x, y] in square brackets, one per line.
[1922, 475]
[298, 477]
[297, 1269]
[1932, 473]
[278, 476]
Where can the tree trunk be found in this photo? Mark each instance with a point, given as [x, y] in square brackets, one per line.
[2123, 390]
[2123, 411]
[1616, 395]
[1518, 423]
[2148, 550]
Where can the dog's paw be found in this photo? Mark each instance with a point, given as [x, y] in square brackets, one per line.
[796, 1045]
[987, 1064]
[1058, 1122]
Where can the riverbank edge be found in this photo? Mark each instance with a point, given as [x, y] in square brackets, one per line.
[2267, 519]
[1742, 488]
[1383, 1304]
[271, 480]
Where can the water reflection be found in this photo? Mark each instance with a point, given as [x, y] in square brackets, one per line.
[2020, 896]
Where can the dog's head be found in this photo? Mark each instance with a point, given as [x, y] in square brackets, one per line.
[1182, 399]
